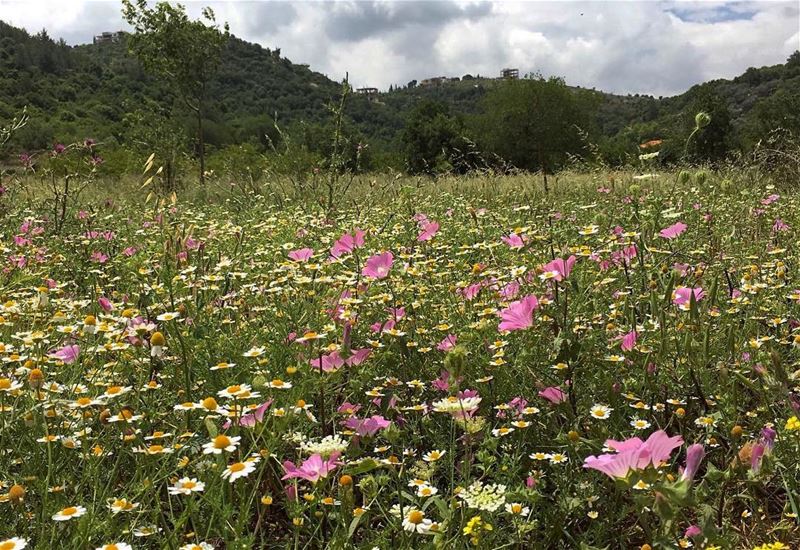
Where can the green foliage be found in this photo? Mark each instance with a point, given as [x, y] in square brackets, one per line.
[153, 131]
[187, 52]
[85, 91]
[431, 138]
[535, 123]
[714, 139]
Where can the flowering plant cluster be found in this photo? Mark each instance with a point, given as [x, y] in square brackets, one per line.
[593, 368]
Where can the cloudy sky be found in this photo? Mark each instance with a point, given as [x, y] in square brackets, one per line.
[642, 46]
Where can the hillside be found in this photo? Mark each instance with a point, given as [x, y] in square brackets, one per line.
[86, 90]
[73, 92]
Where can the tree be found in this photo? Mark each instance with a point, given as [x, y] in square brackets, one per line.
[780, 110]
[535, 123]
[430, 138]
[187, 52]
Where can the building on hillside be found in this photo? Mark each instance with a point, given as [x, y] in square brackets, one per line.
[434, 81]
[105, 37]
[370, 93]
[510, 74]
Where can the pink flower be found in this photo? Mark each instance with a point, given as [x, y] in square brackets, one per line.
[756, 457]
[613, 465]
[378, 266]
[629, 341]
[559, 269]
[513, 241]
[105, 303]
[682, 296]
[251, 419]
[519, 315]
[443, 382]
[634, 454]
[471, 291]
[769, 200]
[673, 231]
[301, 255]
[780, 225]
[448, 343]
[554, 395]
[694, 455]
[347, 243]
[429, 230]
[367, 426]
[99, 257]
[358, 356]
[348, 408]
[510, 291]
[692, 531]
[67, 354]
[313, 469]
[328, 363]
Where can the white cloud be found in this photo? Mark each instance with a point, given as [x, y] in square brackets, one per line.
[660, 47]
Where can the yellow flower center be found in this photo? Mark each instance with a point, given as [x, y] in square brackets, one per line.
[189, 485]
[5, 383]
[236, 388]
[69, 511]
[416, 517]
[238, 467]
[210, 403]
[113, 390]
[83, 401]
[221, 442]
[156, 448]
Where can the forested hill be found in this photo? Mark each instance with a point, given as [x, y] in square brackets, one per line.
[86, 90]
[91, 90]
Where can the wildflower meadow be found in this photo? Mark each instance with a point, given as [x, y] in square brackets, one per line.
[613, 364]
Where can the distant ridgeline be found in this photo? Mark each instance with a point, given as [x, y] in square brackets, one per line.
[90, 90]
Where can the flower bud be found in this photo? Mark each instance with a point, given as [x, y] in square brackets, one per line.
[16, 494]
[702, 119]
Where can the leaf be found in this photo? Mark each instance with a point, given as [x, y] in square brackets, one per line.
[353, 526]
[366, 465]
[668, 292]
[211, 427]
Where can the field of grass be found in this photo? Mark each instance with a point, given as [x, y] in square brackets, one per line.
[465, 363]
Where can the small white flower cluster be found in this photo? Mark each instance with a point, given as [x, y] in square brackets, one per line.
[488, 497]
[456, 406]
[325, 447]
